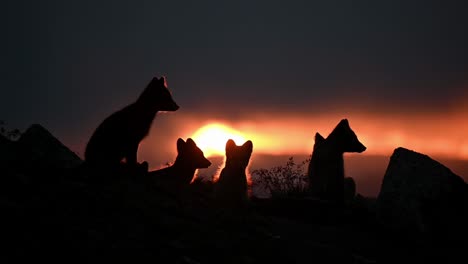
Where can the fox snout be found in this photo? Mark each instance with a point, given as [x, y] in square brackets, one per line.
[171, 107]
[175, 107]
[205, 164]
[361, 148]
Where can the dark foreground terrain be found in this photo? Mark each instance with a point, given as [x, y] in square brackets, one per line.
[52, 205]
[87, 213]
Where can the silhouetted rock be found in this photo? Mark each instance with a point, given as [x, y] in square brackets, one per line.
[38, 147]
[420, 196]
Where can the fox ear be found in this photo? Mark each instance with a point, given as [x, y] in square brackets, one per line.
[190, 141]
[343, 125]
[230, 144]
[180, 144]
[248, 146]
[344, 122]
[318, 138]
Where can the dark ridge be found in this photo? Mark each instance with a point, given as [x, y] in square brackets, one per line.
[39, 147]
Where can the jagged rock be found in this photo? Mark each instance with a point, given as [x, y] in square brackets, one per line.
[38, 147]
[420, 196]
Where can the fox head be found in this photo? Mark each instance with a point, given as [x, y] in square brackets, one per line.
[156, 95]
[238, 156]
[345, 139]
[191, 155]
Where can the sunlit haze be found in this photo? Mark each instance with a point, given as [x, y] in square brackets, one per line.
[212, 138]
[441, 136]
[435, 135]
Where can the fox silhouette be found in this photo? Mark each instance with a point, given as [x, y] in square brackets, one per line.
[117, 138]
[326, 167]
[349, 185]
[231, 187]
[189, 159]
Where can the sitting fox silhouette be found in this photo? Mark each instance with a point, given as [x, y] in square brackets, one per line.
[326, 167]
[231, 187]
[189, 159]
[117, 138]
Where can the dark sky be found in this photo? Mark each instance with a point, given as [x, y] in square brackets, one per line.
[68, 64]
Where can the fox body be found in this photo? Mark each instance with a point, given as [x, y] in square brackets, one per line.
[326, 167]
[118, 136]
[189, 159]
[231, 189]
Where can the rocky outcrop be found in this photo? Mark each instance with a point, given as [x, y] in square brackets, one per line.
[38, 148]
[423, 197]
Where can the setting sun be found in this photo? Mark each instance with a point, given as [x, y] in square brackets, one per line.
[212, 138]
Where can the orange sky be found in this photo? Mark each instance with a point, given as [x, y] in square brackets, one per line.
[434, 135]
[442, 137]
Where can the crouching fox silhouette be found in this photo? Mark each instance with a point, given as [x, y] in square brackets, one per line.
[326, 167]
[117, 138]
[231, 187]
[189, 159]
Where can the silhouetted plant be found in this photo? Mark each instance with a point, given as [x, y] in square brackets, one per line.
[280, 181]
[12, 134]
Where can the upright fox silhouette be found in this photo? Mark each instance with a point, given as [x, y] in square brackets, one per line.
[326, 167]
[118, 136]
[231, 187]
[189, 159]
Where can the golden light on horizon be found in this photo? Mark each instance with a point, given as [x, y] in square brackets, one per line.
[436, 136]
[212, 138]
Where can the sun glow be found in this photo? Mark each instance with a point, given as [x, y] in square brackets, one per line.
[212, 138]
[434, 135]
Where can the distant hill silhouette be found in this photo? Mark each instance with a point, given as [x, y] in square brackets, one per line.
[36, 148]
